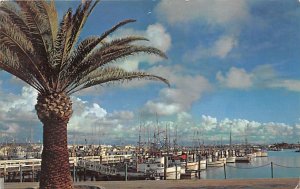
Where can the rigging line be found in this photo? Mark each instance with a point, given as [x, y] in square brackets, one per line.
[285, 166]
[249, 167]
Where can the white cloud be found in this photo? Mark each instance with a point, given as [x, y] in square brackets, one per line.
[158, 37]
[85, 115]
[221, 48]
[241, 129]
[184, 92]
[184, 117]
[278, 129]
[12, 128]
[262, 76]
[122, 115]
[129, 65]
[27, 100]
[291, 85]
[236, 78]
[17, 113]
[162, 108]
[93, 123]
[18, 117]
[208, 123]
[213, 11]
[211, 130]
[297, 130]
[230, 16]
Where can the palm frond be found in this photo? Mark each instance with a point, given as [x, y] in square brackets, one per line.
[12, 41]
[59, 51]
[88, 45]
[10, 15]
[30, 23]
[11, 34]
[83, 50]
[112, 74]
[15, 38]
[49, 14]
[49, 54]
[15, 17]
[35, 19]
[78, 21]
[108, 54]
[10, 62]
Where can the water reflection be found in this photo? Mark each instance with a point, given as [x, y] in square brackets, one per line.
[286, 164]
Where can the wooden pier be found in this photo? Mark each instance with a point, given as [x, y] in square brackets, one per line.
[20, 170]
[81, 168]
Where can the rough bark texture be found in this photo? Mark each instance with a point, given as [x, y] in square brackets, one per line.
[54, 111]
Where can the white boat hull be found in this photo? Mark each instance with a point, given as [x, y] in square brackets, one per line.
[170, 171]
[244, 159]
[230, 160]
[203, 164]
[216, 164]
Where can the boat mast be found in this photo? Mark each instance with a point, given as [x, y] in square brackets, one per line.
[140, 130]
[157, 126]
[175, 140]
[230, 139]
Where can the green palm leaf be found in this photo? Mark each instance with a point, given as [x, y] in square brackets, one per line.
[47, 56]
[86, 47]
[112, 74]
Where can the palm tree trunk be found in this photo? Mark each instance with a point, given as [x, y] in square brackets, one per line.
[55, 170]
[54, 111]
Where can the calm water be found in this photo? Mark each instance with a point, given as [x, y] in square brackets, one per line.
[284, 163]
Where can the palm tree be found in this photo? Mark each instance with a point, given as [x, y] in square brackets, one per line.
[48, 57]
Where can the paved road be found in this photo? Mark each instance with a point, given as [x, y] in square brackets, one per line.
[181, 184]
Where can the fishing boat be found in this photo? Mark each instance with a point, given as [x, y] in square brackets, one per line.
[243, 159]
[230, 159]
[195, 165]
[203, 164]
[260, 152]
[217, 163]
[264, 153]
[156, 167]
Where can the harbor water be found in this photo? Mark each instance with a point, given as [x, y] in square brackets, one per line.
[278, 164]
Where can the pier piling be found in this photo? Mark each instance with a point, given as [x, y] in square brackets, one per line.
[225, 171]
[272, 170]
[21, 173]
[199, 164]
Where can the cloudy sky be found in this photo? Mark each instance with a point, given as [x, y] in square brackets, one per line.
[232, 64]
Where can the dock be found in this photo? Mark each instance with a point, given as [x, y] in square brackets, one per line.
[28, 170]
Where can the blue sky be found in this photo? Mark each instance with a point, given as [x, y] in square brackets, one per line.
[231, 64]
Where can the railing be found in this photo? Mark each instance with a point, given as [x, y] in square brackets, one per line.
[271, 164]
[97, 167]
[18, 165]
[105, 159]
